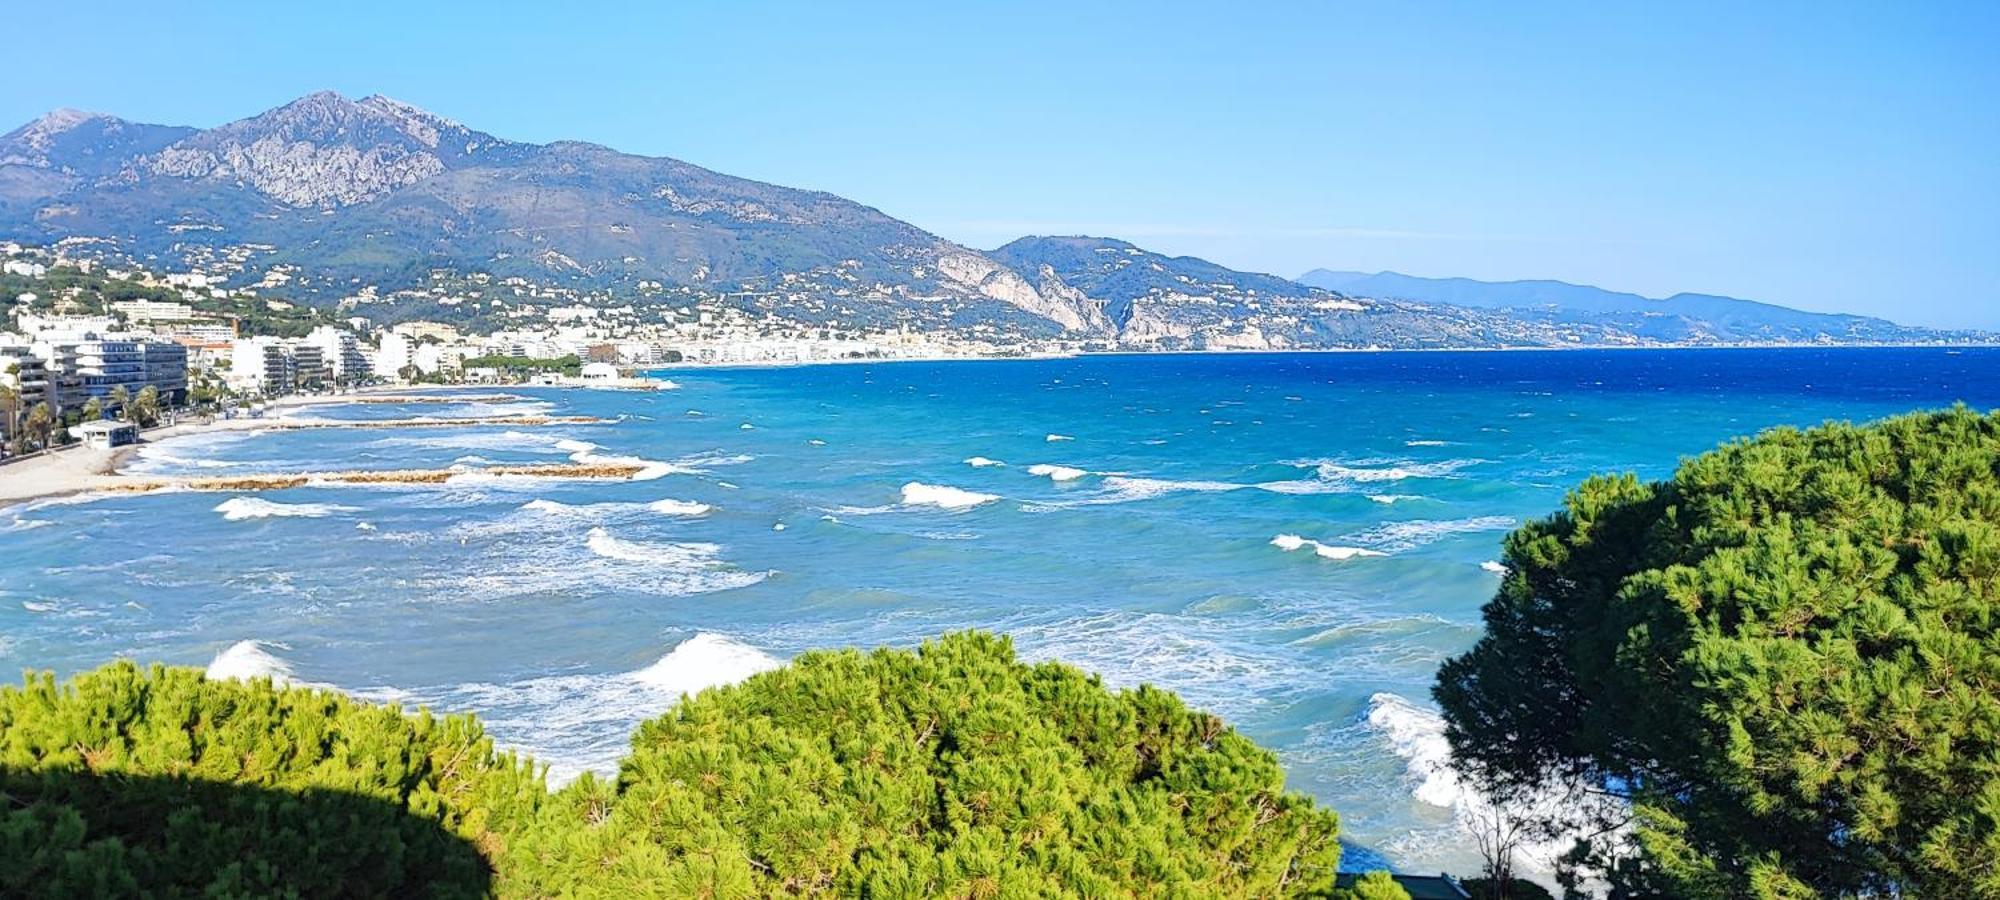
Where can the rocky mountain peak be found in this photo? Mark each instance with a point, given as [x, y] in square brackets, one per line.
[324, 150]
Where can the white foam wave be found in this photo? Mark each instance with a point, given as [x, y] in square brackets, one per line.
[671, 507]
[1052, 438]
[1335, 471]
[1494, 566]
[1417, 735]
[676, 555]
[237, 509]
[981, 462]
[583, 723]
[917, 493]
[1398, 536]
[1291, 542]
[1392, 498]
[1055, 472]
[245, 660]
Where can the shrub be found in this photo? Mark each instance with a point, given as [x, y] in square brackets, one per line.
[1787, 654]
[159, 781]
[951, 770]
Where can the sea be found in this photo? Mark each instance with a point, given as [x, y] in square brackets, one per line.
[1293, 541]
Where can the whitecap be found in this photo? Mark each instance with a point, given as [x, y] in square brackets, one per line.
[1396, 536]
[245, 660]
[981, 462]
[580, 723]
[1494, 566]
[671, 507]
[1056, 473]
[1052, 438]
[917, 493]
[237, 509]
[1291, 542]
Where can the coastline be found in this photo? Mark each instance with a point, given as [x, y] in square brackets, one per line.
[78, 470]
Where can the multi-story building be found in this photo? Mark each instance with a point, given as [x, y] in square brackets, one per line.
[342, 354]
[309, 365]
[166, 369]
[24, 373]
[262, 365]
[107, 365]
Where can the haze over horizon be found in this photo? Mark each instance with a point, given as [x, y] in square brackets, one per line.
[1825, 161]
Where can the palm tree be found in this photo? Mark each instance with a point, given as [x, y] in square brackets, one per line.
[145, 408]
[40, 424]
[93, 409]
[120, 399]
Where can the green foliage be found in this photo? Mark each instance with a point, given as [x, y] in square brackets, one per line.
[158, 781]
[952, 770]
[567, 365]
[1787, 653]
[1376, 886]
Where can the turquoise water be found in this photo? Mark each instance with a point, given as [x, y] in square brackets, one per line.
[832, 506]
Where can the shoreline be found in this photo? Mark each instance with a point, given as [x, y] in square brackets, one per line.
[77, 470]
[685, 367]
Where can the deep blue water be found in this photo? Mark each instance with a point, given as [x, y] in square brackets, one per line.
[563, 612]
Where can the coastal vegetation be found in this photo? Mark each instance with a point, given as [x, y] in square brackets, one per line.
[1781, 662]
[950, 770]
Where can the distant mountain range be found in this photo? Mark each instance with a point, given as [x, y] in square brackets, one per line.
[333, 198]
[1679, 318]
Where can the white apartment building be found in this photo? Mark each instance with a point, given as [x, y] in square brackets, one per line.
[262, 365]
[342, 353]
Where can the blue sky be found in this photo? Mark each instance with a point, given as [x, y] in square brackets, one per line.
[1827, 155]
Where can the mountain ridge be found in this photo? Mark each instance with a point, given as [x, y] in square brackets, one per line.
[344, 201]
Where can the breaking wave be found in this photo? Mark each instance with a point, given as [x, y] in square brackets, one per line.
[916, 493]
[245, 660]
[1055, 472]
[237, 509]
[1291, 542]
[583, 723]
[981, 462]
[1399, 536]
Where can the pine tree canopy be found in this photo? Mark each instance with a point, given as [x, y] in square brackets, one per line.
[1786, 655]
[949, 770]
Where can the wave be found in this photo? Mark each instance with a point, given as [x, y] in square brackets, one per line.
[916, 493]
[1055, 472]
[1494, 566]
[1052, 438]
[981, 462]
[671, 507]
[1426, 443]
[1291, 542]
[1392, 498]
[237, 509]
[1399, 536]
[677, 555]
[510, 440]
[580, 723]
[585, 452]
[1417, 735]
[245, 660]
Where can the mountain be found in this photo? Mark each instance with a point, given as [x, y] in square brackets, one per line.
[397, 213]
[336, 193]
[1679, 318]
[1142, 299]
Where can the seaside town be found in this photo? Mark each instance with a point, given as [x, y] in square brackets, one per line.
[91, 350]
